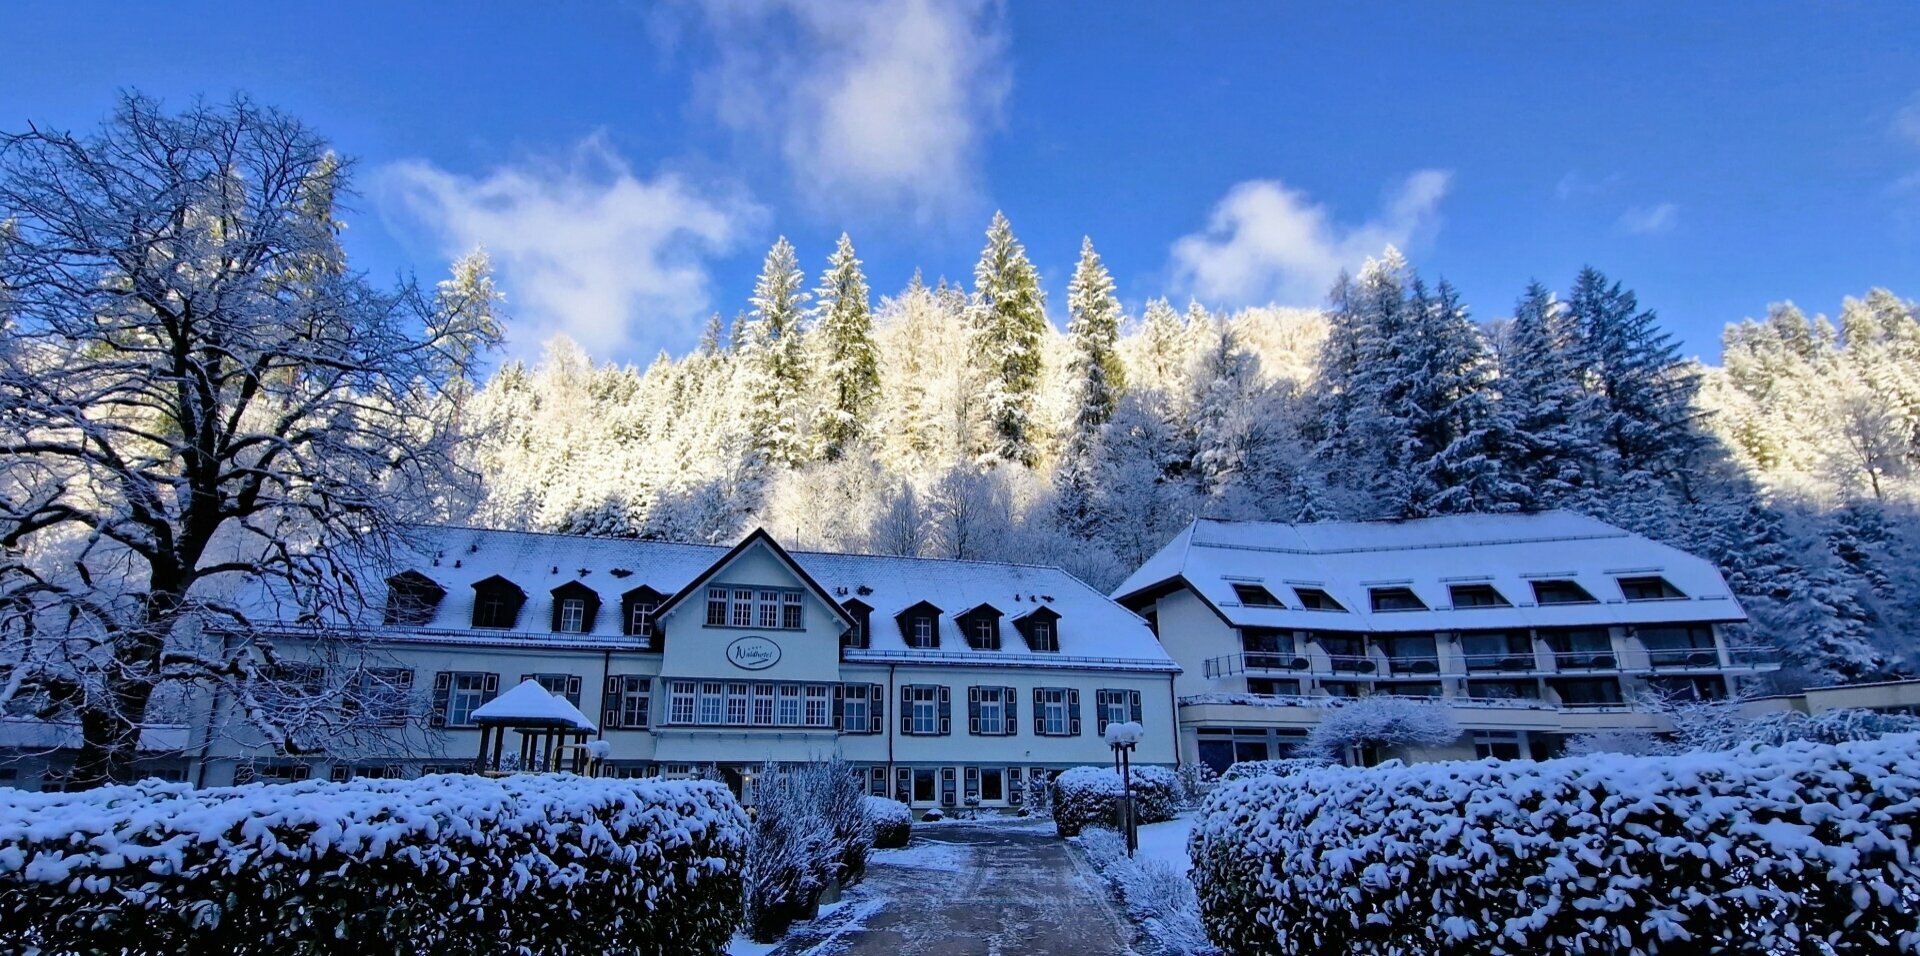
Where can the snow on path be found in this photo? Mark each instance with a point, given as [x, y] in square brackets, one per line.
[968, 890]
[1167, 842]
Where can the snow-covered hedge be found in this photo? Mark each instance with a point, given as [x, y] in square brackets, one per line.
[892, 822]
[1248, 769]
[446, 863]
[810, 829]
[1383, 721]
[1094, 796]
[1158, 897]
[1749, 851]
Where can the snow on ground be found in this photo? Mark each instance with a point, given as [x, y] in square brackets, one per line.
[1167, 842]
[925, 853]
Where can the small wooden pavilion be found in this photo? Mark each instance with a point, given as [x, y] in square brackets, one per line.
[552, 731]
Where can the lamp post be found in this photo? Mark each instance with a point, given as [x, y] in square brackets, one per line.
[1123, 738]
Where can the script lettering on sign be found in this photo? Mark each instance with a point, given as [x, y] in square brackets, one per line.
[753, 653]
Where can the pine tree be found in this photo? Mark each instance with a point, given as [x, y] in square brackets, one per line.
[1540, 392]
[713, 338]
[1009, 321]
[776, 358]
[1641, 390]
[1461, 437]
[1094, 381]
[852, 369]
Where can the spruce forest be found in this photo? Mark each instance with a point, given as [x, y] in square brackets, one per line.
[955, 419]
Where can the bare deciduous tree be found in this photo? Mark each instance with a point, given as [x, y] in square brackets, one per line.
[199, 399]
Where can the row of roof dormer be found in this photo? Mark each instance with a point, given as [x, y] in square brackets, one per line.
[1462, 572]
[488, 586]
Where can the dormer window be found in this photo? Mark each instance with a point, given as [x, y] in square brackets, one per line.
[1040, 637]
[1314, 599]
[640, 618]
[1477, 595]
[497, 602]
[636, 614]
[920, 626]
[1561, 591]
[1041, 628]
[575, 606]
[981, 627]
[859, 636]
[412, 599]
[1650, 587]
[1396, 599]
[986, 636]
[1253, 595]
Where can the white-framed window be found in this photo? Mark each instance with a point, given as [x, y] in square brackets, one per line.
[993, 710]
[573, 615]
[819, 714]
[464, 696]
[1113, 708]
[923, 631]
[854, 709]
[925, 700]
[985, 634]
[713, 702]
[641, 624]
[763, 705]
[742, 607]
[790, 605]
[1053, 711]
[680, 702]
[770, 609]
[737, 704]
[1040, 636]
[789, 714]
[636, 696]
[384, 693]
[566, 686]
[717, 607]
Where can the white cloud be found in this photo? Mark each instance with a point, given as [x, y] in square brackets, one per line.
[1906, 121]
[583, 246]
[882, 103]
[1266, 242]
[1650, 220]
[1575, 184]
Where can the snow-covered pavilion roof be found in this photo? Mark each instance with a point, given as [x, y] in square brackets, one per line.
[1430, 556]
[527, 704]
[1092, 631]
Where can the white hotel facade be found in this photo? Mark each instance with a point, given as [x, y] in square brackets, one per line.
[949, 683]
[1529, 627]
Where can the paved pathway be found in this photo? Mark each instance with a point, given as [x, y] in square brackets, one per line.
[970, 890]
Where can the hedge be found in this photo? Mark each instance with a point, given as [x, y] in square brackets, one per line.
[1247, 769]
[446, 863]
[892, 822]
[1093, 796]
[1800, 848]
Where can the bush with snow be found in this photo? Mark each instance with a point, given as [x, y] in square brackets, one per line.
[810, 828]
[445, 863]
[1800, 848]
[892, 822]
[1095, 796]
[1248, 769]
[1156, 896]
[1196, 781]
[1383, 721]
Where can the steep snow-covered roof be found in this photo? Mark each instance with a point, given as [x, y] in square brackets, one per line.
[1430, 556]
[1092, 630]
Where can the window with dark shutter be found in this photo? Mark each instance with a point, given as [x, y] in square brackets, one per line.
[1011, 725]
[946, 710]
[878, 695]
[1073, 712]
[1133, 706]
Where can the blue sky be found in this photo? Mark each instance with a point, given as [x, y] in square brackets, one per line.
[628, 164]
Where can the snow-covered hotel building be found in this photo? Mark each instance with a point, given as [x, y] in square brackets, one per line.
[1528, 627]
[941, 680]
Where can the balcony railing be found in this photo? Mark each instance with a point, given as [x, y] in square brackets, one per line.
[1628, 658]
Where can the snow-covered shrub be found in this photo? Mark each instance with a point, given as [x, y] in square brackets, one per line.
[1247, 769]
[810, 828]
[1765, 850]
[934, 815]
[1095, 796]
[445, 863]
[1383, 721]
[1196, 781]
[892, 822]
[1159, 898]
[1722, 725]
[1037, 798]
